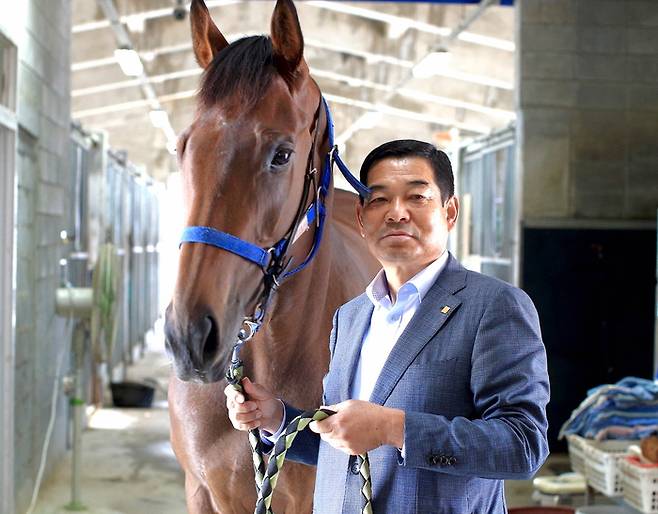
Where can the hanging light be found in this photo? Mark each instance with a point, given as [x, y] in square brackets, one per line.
[159, 118]
[370, 120]
[129, 61]
[430, 65]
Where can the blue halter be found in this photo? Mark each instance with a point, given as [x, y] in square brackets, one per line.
[271, 259]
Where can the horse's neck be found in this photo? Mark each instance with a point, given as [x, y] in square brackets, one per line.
[294, 345]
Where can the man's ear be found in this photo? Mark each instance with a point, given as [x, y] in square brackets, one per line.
[359, 216]
[207, 40]
[287, 41]
[452, 211]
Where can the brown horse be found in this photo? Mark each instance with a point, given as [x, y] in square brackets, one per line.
[244, 159]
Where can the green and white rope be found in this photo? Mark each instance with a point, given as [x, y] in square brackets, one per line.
[277, 459]
[266, 480]
[234, 376]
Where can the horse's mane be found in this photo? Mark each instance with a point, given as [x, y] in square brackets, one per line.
[246, 66]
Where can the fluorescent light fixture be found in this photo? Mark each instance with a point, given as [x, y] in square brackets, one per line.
[136, 23]
[370, 120]
[129, 61]
[430, 65]
[159, 118]
[354, 82]
[396, 29]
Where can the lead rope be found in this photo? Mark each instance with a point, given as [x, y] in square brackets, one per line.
[266, 480]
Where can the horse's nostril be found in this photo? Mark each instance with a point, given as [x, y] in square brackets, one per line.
[211, 343]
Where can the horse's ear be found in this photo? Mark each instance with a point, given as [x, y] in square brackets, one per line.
[287, 39]
[207, 40]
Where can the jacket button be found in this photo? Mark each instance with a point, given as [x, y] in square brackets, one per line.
[432, 459]
[355, 468]
[452, 461]
[444, 460]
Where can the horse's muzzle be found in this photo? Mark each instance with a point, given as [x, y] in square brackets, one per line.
[193, 346]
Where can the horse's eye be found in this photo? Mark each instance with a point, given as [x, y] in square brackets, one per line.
[281, 158]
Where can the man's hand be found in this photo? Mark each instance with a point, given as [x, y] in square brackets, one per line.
[263, 410]
[358, 427]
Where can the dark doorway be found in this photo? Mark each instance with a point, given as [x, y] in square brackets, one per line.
[595, 293]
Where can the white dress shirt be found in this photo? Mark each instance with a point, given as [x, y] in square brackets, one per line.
[387, 322]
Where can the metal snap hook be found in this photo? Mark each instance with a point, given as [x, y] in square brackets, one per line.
[248, 330]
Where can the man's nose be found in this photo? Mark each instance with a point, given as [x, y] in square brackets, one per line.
[397, 211]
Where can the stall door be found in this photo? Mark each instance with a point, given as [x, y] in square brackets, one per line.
[594, 291]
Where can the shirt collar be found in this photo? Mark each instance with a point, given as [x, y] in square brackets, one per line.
[420, 283]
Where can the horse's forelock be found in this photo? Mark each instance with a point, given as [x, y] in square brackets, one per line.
[245, 67]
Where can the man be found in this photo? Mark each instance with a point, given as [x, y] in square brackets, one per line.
[439, 373]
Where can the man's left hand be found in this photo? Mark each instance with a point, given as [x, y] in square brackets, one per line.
[358, 427]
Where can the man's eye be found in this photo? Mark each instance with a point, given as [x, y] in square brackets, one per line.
[378, 199]
[281, 158]
[418, 197]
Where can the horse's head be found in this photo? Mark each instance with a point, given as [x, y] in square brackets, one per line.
[243, 161]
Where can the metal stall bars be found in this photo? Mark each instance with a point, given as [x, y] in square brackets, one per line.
[137, 292]
[488, 187]
[118, 174]
[85, 218]
[116, 209]
[144, 238]
[152, 257]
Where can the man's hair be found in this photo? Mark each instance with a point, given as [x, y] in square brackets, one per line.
[412, 148]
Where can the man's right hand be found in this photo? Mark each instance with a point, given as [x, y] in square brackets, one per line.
[263, 410]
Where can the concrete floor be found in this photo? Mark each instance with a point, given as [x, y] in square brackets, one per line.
[128, 464]
[129, 467]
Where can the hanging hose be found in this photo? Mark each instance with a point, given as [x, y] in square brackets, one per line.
[104, 317]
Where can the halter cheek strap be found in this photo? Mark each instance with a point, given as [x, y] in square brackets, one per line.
[358, 186]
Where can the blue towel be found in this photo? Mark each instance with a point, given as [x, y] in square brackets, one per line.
[626, 410]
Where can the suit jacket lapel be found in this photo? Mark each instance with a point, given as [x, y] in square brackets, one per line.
[427, 321]
[346, 354]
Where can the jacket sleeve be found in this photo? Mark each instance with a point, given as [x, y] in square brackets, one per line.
[307, 443]
[506, 438]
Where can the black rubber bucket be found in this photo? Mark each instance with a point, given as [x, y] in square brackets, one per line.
[132, 394]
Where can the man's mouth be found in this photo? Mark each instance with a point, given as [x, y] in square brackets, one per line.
[397, 234]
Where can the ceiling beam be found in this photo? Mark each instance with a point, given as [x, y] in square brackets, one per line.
[393, 21]
[401, 22]
[150, 54]
[141, 16]
[368, 106]
[123, 41]
[330, 75]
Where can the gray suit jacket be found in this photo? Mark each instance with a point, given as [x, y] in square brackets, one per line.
[474, 387]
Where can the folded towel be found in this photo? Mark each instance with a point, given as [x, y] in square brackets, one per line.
[625, 410]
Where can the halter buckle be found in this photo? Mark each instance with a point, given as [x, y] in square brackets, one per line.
[248, 330]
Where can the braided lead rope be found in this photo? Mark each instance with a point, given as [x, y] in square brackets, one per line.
[234, 376]
[266, 481]
[366, 488]
[277, 459]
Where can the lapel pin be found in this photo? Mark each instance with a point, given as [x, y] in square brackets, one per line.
[445, 310]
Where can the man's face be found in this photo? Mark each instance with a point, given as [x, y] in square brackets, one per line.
[403, 220]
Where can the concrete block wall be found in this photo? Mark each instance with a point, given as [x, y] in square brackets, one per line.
[41, 31]
[588, 104]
